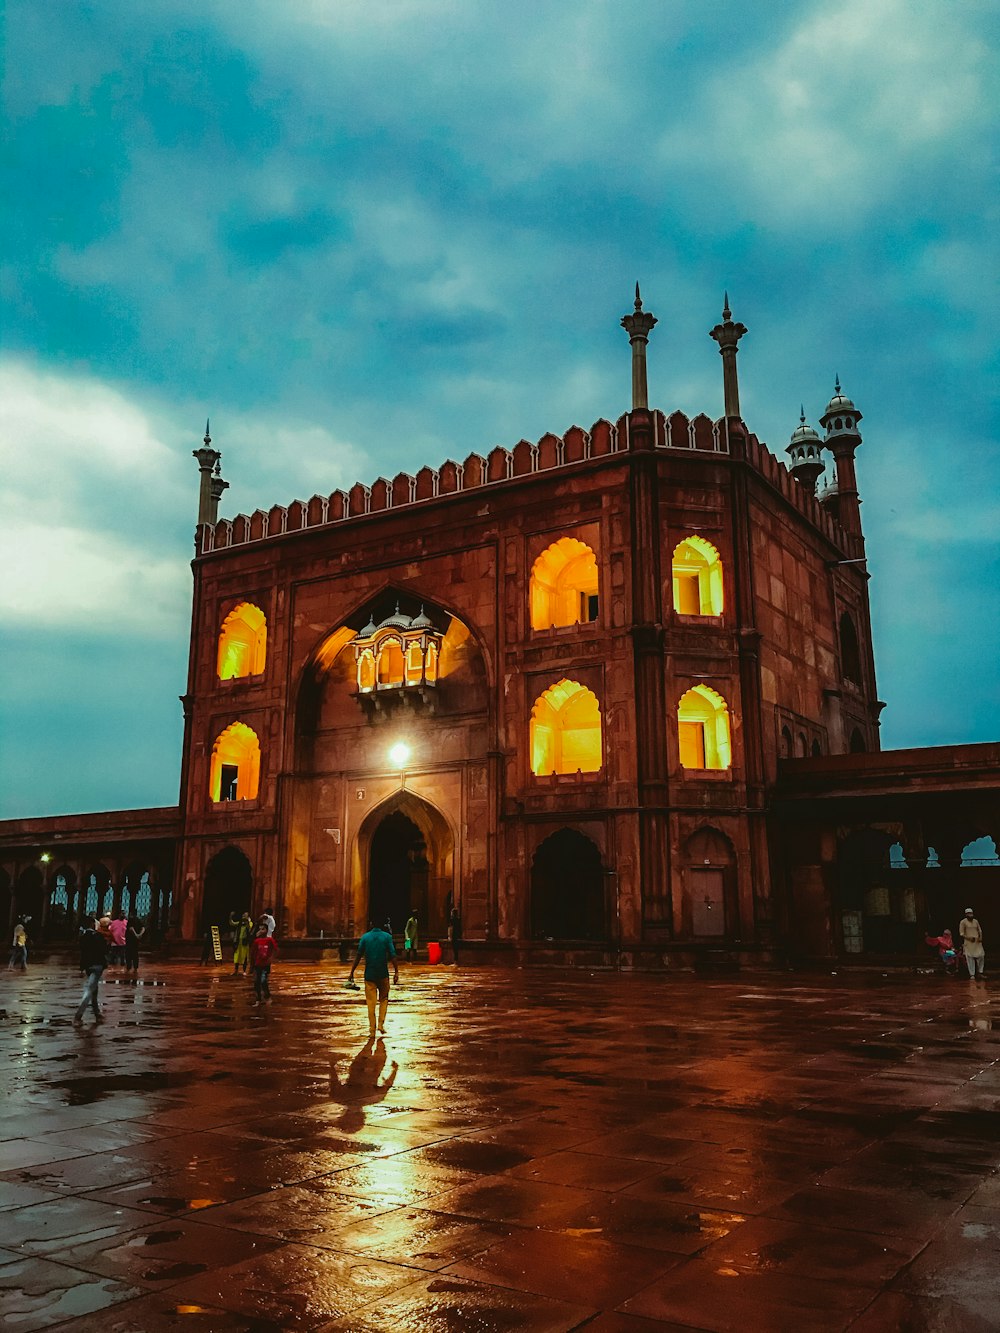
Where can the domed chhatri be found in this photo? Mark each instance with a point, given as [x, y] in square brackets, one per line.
[805, 452]
[841, 416]
[398, 620]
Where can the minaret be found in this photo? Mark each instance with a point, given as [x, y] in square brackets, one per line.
[212, 484]
[727, 335]
[805, 450]
[840, 421]
[638, 327]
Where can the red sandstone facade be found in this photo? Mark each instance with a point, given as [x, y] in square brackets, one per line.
[642, 857]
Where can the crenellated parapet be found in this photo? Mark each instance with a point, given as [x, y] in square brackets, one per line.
[675, 433]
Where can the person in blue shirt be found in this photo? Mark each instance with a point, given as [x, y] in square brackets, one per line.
[376, 947]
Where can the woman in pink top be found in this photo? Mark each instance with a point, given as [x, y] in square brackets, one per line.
[117, 931]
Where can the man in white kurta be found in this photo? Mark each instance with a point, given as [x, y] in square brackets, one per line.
[972, 944]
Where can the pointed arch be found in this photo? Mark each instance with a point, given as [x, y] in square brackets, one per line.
[697, 578]
[235, 770]
[564, 585]
[850, 650]
[567, 888]
[242, 642]
[565, 730]
[703, 729]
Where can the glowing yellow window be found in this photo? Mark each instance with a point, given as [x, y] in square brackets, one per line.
[703, 729]
[697, 578]
[366, 671]
[235, 770]
[564, 585]
[414, 664]
[390, 664]
[432, 662]
[242, 642]
[566, 730]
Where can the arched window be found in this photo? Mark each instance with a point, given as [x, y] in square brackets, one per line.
[566, 730]
[235, 771]
[564, 585]
[786, 743]
[858, 745]
[800, 746]
[817, 750]
[366, 671]
[414, 663]
[242, 642]
[703, 729]
[697, 578]
[390, 663]
[431, 667]
[850, 652]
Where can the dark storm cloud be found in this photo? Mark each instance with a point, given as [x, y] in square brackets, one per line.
[367, 236]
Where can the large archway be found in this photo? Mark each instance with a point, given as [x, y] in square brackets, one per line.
[228, 887]
[567, 889]
[405, 862]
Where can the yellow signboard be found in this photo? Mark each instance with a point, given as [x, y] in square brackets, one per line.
[216, 944]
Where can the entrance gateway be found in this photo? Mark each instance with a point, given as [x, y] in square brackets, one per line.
[406, 857]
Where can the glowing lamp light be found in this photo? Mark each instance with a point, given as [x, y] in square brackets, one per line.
[399, 754]
[46, 856]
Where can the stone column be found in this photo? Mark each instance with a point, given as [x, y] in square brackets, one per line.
[638, 327]
[727, 335]
[208, 501]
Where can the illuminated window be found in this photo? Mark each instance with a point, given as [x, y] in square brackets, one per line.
[242, 643]
[566, 730]
[703, 729]
[564, 585]
[366, 671]
[390, 663]
[235, 771]
[432, 662]
[697, 578]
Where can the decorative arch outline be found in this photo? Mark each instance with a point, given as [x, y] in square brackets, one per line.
[565, 733]
[703, 731]
[564, 585]
[696, 571]
[242, 643]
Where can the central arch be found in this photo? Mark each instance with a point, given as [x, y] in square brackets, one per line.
[567, 888]
[228, 887]
[405, 862]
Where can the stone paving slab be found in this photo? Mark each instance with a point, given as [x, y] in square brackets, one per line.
[541, 1150]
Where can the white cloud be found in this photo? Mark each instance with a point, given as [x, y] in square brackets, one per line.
[82, 468]
[856, 97]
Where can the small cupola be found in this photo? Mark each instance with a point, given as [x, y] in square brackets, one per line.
[805, 453]
[840, 420]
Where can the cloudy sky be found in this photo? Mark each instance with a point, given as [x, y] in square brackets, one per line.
[365, 235]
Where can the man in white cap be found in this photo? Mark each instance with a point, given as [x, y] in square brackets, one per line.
[972, 944]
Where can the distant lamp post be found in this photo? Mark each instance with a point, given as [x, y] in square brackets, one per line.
[399, 756]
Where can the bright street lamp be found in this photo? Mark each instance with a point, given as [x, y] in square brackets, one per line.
[399, 754]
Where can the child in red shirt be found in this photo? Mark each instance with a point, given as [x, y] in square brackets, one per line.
[262, 949]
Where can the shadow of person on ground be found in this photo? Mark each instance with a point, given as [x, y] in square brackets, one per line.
[361, 1087]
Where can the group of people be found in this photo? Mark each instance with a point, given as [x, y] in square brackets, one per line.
[973, 949]
[254, 946]
[103, 941]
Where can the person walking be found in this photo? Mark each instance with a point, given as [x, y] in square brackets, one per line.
[972, 944]
[117, 930]
[19, 948]
[243, 933]
[376, 948]
[411, 938]
[263, 948]
[93, 961]
[133, 935]
[455, 933]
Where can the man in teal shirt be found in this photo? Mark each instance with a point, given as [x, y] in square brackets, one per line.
[376, 947]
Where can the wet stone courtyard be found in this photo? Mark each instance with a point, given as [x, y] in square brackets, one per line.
[536, 1150]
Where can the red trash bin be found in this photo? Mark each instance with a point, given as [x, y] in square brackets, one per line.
[434, 952]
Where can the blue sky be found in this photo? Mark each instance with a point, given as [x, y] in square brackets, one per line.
[365, 236]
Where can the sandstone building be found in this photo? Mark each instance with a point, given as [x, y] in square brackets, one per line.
[612, 694]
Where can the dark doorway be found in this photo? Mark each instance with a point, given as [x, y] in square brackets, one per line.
[228, 887]
[567, 889]
[398, 872]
